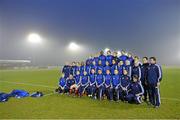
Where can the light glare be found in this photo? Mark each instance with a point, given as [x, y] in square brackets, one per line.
[34, 38]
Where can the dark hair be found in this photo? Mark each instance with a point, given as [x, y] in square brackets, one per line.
[154, 58]
[136, 57]
[101, 52]
[145, 58]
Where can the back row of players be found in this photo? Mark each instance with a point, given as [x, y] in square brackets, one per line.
[116, 77]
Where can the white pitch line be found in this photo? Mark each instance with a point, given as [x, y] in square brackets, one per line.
[49, 94]
[30, 84]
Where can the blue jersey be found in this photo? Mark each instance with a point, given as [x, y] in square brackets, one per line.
[76, 68]
[82, 69]
[136, 88]
[109, 58]
[116, 81]
[131, 60]
[136, 70]
[77, 79]
[103, 59]
[88, 69]
[62, 82]
[113, 67]
[108, 80]
[89, 61]
[84, 80]
[154, 74]
[99, 68]
[128, 68]
[125, 81]
[106, 68]
[92, 79]
[123, 58]
[99, 80]
[96, 60]
[120, 70]
[66, 70]
[70, 82]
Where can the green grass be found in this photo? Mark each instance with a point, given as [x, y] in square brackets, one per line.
[62, 106]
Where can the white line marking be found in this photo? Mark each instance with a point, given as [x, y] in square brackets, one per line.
[49, 94]
[30, 84]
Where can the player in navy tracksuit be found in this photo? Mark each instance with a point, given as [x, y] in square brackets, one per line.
[74, 88]
[66, 70]
[114, 66]
[69, 82]
[82, 68]
[92, 83]
[115, 56]
[100, 84]
[131, 59]
[102, 58]
[123, 56]
[136, 70]
[99, 67]
[84, 83]
[107, 67]
[125, 83]
[108, 85]
[128, 67]
[62, 84]
[135, 91]
[154, 77]
[109, 57]
[144, 70]
[120, 68]
[116, 84]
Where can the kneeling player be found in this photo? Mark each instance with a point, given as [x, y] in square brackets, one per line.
[69, 82]
[135, 91]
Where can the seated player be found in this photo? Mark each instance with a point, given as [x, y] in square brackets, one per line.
[116, 84]
[135, 91]
[92, 84]
[69, 82]
[74, 88]
[125, 82]
[84, 84]
[100, 84]
[108, 85]
[62, 84]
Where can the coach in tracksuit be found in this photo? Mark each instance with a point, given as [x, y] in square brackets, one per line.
[153, 78]
[144, 70]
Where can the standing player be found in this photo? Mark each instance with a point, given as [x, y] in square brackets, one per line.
[84, 84]
[108, 85]
[123, 56]
[128, 67]
[154, 77]
[100, 84]
[116, 84]
[136, 70]
[109, 57]
[102, 58]
[92, 83]
[144, 70]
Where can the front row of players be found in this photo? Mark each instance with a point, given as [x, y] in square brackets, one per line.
[100, 86]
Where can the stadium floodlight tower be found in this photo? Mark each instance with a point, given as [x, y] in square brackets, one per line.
[34, 39]
[73, 46]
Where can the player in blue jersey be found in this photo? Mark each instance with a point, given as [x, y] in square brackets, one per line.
[69, 82]
[114, 66]
[136, 70]
[84, 84]
[125, 83]
[100, 84]
[102, 58]
[154, 77]
[92, 83]
[135, 91]
[120, 67]
[116, 84]
[109, 57]
[123, 56]
[108, 85]
[107, 67]
[128, 67]
[62, 85]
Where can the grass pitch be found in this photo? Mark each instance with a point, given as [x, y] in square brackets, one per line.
[62, 106]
